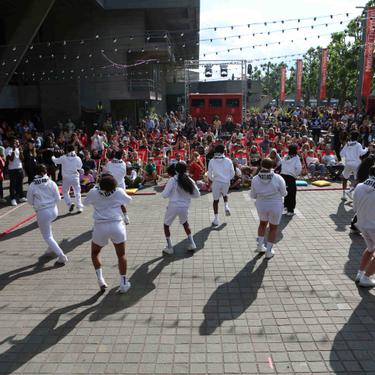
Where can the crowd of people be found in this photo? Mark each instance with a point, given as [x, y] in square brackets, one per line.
[268, 152]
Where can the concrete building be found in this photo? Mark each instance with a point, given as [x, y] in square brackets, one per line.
[69, 59]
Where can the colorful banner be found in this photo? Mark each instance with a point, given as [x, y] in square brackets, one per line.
[368, 53]
[323, 75]
[282, 88]
[299, 68]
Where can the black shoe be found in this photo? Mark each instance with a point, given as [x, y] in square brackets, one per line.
[71, 208]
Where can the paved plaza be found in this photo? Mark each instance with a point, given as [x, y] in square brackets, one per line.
[223, 310]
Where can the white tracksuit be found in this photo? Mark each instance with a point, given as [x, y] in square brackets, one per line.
[269, 189]
[220, 172]
[117, 168]
[364, 206]
[43, 194]
[108, 216]
[352, 153]
[70, 165]
[291, 166]
[179, 201]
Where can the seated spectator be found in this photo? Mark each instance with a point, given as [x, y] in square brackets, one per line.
[87, 180]
[132, 180]
[150, 173]
[196, 167]
[275, 157]
[87, 162]
[236, 182]
[241, 160]
[314, 166]
[246, 176]
[332, 164]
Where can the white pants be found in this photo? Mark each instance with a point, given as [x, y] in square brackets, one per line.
[45, 217]
[174, 211]
[73, 182]
[270, 211]
[350, 169]
[112, 230]
[219, 189]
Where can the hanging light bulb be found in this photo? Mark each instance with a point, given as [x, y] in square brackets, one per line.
[115, 40]
[31, 47]
[82, 42]
[64, 42]
[90, 55]
[14, 48]
[96, 36]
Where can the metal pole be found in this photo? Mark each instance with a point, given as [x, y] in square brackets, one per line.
[361, 60]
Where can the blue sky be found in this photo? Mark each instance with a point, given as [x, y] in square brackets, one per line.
[242, 12]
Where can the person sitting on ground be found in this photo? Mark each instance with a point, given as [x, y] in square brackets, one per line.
[87, 180]
[241, 160]
[236, 181]
[132, 179]
[150, 173]
[196, 167]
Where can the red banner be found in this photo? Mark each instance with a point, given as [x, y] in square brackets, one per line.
[368, 55]
[282, 88]
[323, 75]
[299, 80]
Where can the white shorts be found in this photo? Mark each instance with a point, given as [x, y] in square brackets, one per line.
[350, 169]
[369, 237]
[113, 230]
[271, 212]
[220, 189]
[174, 211]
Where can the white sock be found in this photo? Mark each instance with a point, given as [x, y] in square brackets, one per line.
[226, 205]
[190, 237]
[99, 273]
[169, 242]
[216, 216]
[260, 240]
[123, 280]
[269, 246]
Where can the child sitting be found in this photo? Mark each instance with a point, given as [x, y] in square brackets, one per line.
[87, 180]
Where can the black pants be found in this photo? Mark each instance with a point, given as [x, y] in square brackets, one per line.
[1, 190]
[16, 183]
[290, 199]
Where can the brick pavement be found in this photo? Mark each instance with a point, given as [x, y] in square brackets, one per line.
[222, 310]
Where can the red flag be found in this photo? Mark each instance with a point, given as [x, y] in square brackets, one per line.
[323, 75]
[368, 55]
[282, 88]
[299, 81]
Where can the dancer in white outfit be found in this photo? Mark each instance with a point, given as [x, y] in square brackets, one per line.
[71, 164]
[352, 153]
[180, 189]
[107, 200]
[268, 189]
[117, 168]
[220, 173]
[43, 195]
[364, 206]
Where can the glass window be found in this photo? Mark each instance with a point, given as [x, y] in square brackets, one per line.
[215, 103]
[233, 102]
[197, 102]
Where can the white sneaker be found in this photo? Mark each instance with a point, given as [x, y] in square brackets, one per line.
[261, 248]
[215, 222]
[126, 220]
[80, 210]
[270, 254]
[61, 260]
[359, 275]
[290, 213]
[13, 202]
[366, 282]
[124, 288]
[102, 284]
[168, 250]
[227, 211]
[23, 200]
[192, 246]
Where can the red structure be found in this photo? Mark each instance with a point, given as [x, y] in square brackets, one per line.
[211, 105]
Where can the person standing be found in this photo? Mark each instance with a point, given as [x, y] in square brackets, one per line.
[351, 152]
[179, 189]
[2, 167]
[71, 164]
[364, 207]
[14, 157]
[268, 189]
[291, 168]
[108, 200]
[220, 173]
[43, 194]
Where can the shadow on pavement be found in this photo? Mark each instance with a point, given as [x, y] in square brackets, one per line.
[39, 266]
[353, 349]
[233, 298]
[45, 335]
[342, 217]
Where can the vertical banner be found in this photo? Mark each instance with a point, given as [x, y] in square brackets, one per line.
[323, 75]
[282, 84]
[368, 53]
[299, 81]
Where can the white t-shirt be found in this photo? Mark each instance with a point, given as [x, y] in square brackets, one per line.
[117, 168]
[107, 206]
[70, 164]
[43, 193]
[16, 163]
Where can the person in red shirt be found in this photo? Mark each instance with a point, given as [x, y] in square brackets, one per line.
[196, 168]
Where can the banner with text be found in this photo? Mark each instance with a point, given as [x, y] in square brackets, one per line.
[282, 88]
[299, 68]
[323, 75]
[368, 53]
